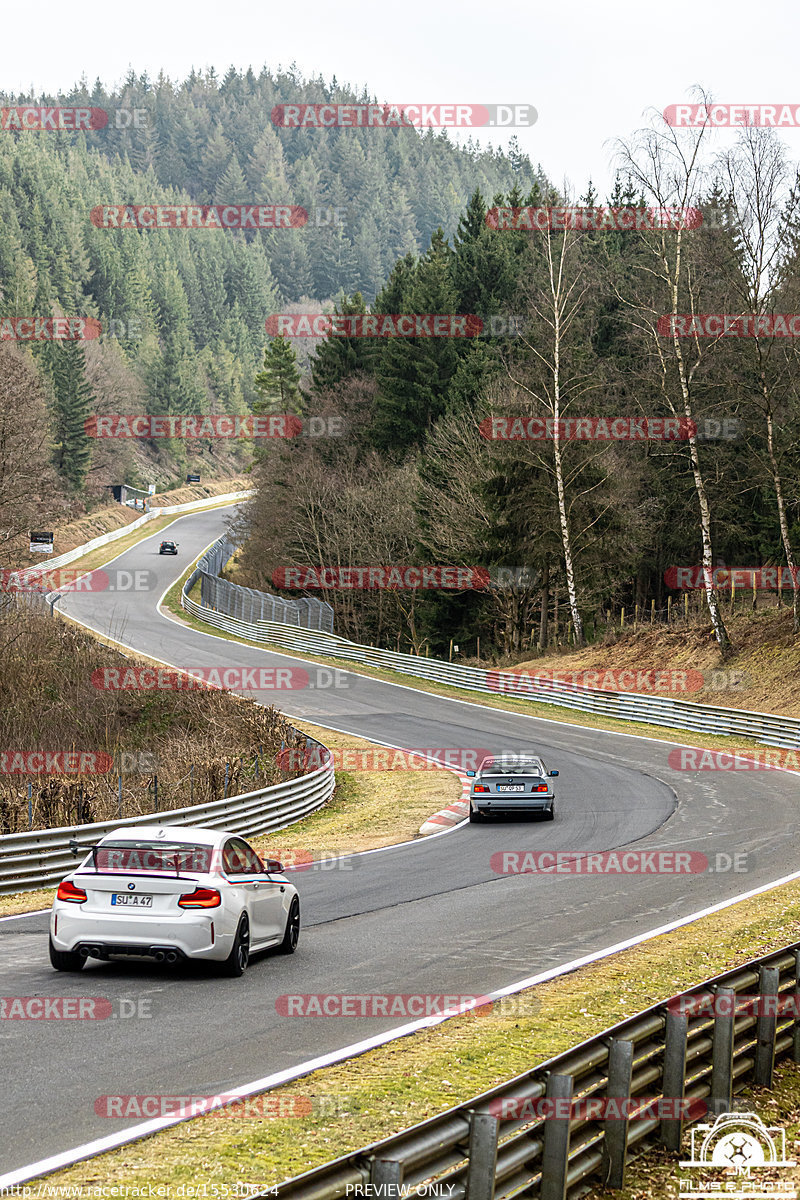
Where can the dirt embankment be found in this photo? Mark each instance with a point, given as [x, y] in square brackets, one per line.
[116, 516]
[682, 661]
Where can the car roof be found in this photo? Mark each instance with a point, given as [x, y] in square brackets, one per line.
[188, 834]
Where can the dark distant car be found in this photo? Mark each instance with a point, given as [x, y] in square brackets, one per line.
[511, 783]
[168, 548]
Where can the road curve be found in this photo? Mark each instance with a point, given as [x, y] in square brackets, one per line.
[428, 917]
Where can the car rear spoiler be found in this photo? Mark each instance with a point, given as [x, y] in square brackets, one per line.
[76, 847]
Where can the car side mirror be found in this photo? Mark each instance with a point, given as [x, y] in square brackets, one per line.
[274, 867]
[471, 774]
[554, 772]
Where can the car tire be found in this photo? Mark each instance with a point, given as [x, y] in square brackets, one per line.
[292, 934]
[550, 814]
[65, 960]
[475, 817]
[235, 964]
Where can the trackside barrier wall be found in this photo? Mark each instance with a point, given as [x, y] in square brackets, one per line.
[765, 728]
[152, 514]
[247, 604]
[661, 1052]
[41, 858]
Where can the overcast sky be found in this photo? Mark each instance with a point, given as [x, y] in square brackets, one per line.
[591, 69]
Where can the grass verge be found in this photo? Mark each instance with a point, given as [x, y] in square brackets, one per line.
[392, 1087]
[528, 708]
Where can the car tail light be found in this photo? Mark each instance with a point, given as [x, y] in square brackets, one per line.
[201, 898]
[480, 788]
[542, 788]
[68, 891]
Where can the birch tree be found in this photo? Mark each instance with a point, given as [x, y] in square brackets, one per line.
[667, 167]
[761, 207]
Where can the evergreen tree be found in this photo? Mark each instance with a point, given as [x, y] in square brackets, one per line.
[278, 382]
[74, 404]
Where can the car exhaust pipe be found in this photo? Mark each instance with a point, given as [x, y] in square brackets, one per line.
[171, 956]
[159, 956]
[84, 951]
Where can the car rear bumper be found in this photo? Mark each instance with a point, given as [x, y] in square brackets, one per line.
[508, 804]
[190, 934]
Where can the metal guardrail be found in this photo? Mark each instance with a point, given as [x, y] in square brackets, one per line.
[765, 728]
[41, 857]
[662, 1052]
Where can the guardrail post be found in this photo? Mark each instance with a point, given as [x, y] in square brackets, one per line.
[722, 1053]
[484, 1130]
[796, 998]
[615, 1130]
[674, 1078]
[386, 1177]
[555, 1152]
[766, 1024]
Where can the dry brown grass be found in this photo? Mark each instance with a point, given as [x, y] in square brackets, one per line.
[50, 703]
[765, 651]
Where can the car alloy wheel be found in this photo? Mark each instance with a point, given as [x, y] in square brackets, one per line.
[292, 935]
[236, 962]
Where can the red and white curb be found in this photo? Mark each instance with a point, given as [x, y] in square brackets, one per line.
[446, 818]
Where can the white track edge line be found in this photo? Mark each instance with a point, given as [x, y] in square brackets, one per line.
[112, 1141]
[268, 1082]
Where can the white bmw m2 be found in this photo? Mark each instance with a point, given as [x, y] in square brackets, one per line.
[171, 892]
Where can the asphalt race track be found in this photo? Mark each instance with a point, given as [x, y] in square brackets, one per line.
[429, 917]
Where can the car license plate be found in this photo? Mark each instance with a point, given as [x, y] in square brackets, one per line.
[132, 901]
[511, 787]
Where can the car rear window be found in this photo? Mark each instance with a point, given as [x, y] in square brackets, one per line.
[171, 857]
[511, 767]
